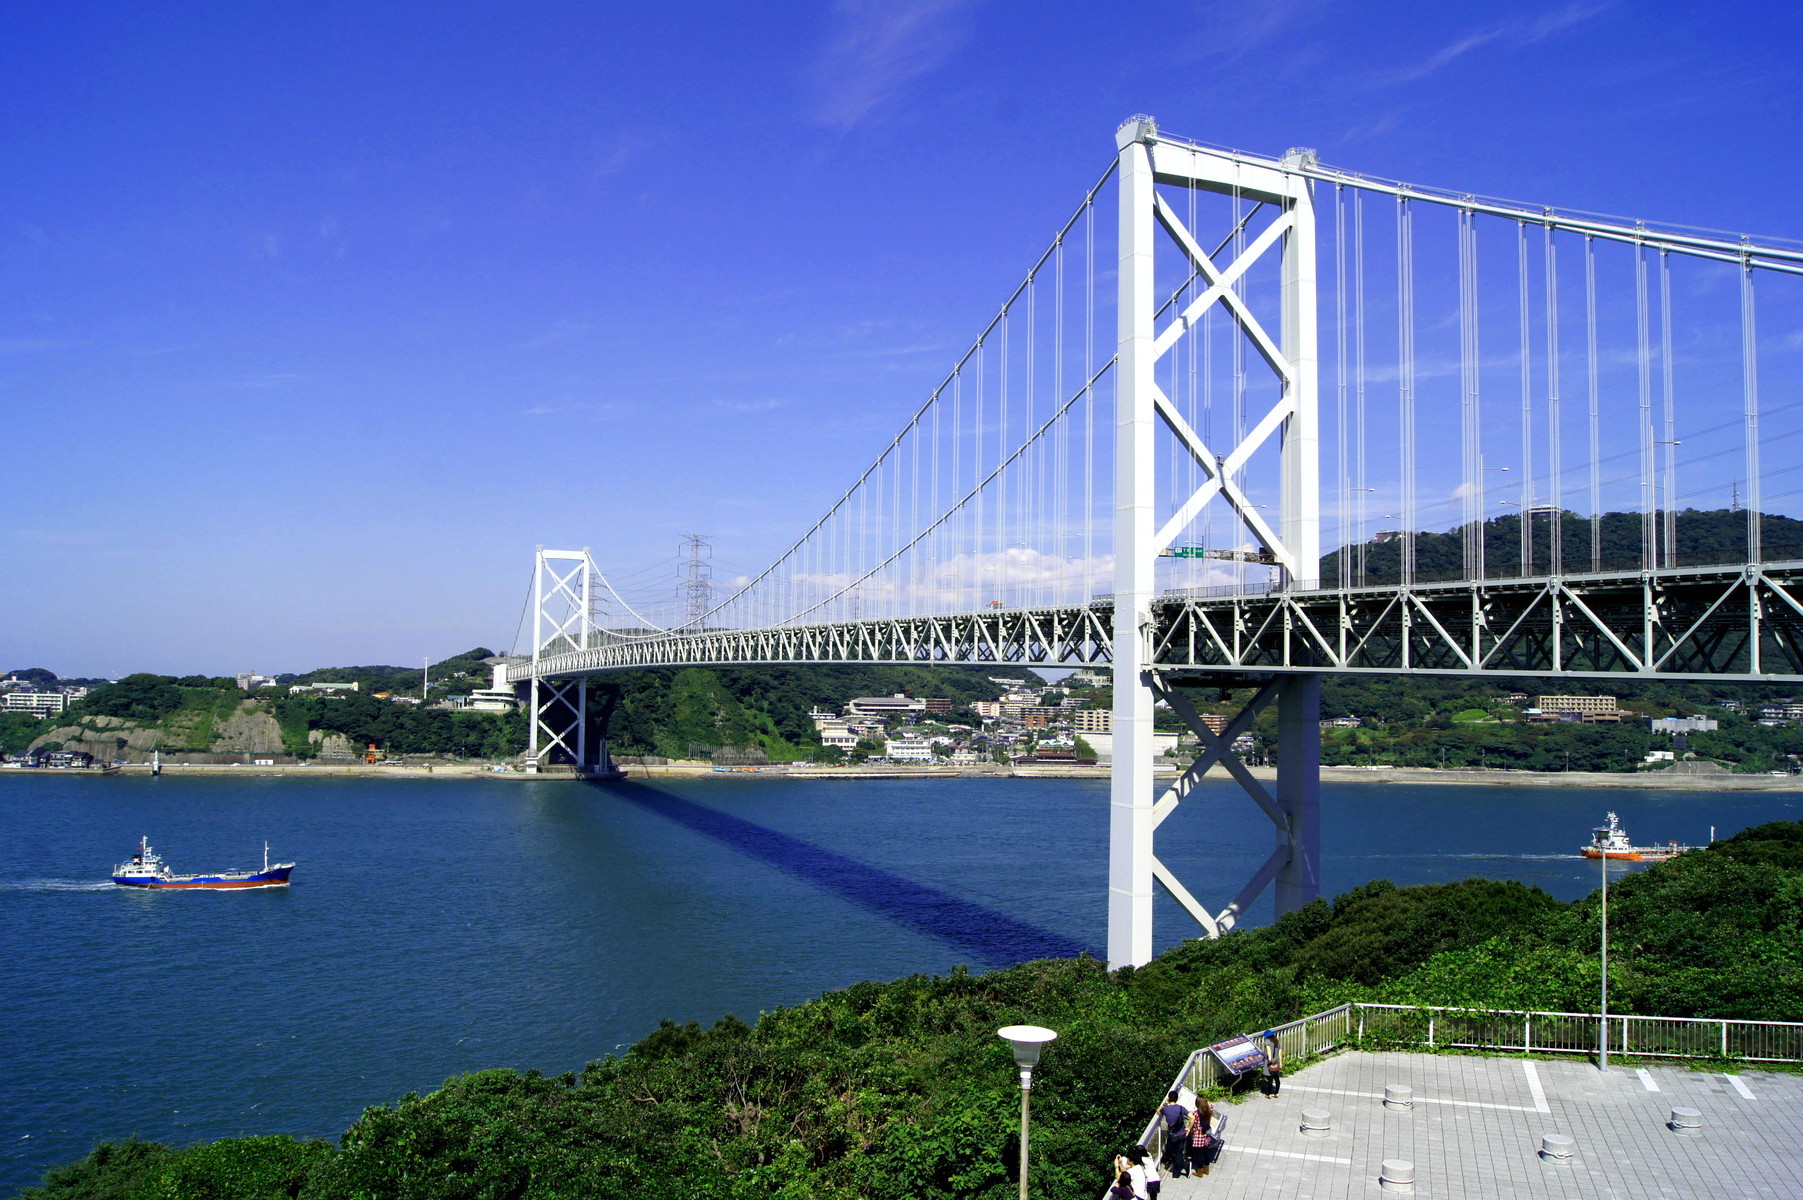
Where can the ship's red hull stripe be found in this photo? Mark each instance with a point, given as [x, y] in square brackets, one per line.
[244, 883]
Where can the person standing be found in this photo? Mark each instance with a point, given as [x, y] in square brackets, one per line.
[1273, 1064]
[1174, 1116]
[1198, 1138]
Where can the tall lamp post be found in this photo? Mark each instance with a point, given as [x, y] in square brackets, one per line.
[1028, 1041]
[1603, 1044]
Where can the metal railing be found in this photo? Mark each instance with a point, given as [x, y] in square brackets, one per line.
[1300, 1039]
[1581, 1033]
[1529, 1032]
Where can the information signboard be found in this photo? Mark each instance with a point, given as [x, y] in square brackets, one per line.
[1238, 1054]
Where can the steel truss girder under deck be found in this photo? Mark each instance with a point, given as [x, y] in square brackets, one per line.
[1050, 636]
[1700, 622]
[1716, 623]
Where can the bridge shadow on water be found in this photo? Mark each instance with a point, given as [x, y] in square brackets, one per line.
[995, 938]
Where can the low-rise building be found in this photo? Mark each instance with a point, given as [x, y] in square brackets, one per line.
[498, 696]
[837, 733]
[908, 750]
[41, 703]
[1103, 744]
[1586, 706]
[1093, 720]
[885, 706]
[322, 689]
[1682, 724]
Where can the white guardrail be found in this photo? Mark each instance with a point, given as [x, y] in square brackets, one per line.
[1502, 1029]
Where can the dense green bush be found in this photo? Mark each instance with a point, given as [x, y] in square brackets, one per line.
[250, 1168]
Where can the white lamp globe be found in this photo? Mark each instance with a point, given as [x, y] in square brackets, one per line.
[1027, 1041]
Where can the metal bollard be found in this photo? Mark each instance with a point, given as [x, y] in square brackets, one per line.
[1316, 1122]
[1557, 1149]
[1398, 1175]
[1686, 1122]
[1399, 1096]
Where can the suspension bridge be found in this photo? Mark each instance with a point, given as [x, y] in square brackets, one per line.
[1223, 362]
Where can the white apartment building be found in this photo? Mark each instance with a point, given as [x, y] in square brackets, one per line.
[897, 705]
[1103, 744]
[41, 703]
[836, 733]
[909, 750]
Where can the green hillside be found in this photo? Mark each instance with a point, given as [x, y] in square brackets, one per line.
[1703, 537]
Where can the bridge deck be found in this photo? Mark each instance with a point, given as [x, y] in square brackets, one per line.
[1476, 1125]
[1714, 623]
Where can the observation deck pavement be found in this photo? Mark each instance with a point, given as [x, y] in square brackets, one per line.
[1475, 1127]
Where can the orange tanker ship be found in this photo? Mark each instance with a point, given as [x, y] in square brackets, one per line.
[1611, 841]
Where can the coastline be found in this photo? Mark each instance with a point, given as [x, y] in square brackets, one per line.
[1655, 781]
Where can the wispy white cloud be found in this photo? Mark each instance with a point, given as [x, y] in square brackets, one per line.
[30, 345]
[564, 329]
[591, 410]
[1233, 28]
[877, 48]
[749, 406]
[1517, 31]
[270, 379]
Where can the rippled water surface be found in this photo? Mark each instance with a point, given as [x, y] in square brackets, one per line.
[442, 926]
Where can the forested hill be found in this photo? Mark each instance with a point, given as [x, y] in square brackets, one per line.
[663, 712]
[668, 712]
[1704, 537]
[902, 1091]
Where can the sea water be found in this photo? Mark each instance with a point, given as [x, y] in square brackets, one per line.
[440, 926]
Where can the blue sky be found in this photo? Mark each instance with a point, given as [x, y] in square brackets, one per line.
[315, 319]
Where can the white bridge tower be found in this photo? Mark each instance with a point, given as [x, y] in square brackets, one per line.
[1147, 223]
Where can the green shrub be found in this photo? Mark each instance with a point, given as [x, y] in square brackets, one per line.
[111, 1171]
[249, 1168]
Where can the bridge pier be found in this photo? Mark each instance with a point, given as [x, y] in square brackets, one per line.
[568, 725]
[1299, 791]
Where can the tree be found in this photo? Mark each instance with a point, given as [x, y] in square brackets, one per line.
[141, 697]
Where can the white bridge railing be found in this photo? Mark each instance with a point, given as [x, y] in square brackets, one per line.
[1503, 1029]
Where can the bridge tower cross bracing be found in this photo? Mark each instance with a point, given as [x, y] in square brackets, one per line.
[1135, 814]
[565, 602]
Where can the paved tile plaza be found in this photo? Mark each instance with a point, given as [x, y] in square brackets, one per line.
[1474, 1132]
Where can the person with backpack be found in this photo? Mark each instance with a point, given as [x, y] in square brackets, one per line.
[1174, 1115]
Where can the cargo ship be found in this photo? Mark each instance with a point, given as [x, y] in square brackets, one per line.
[147, 869]
[1611, 841]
